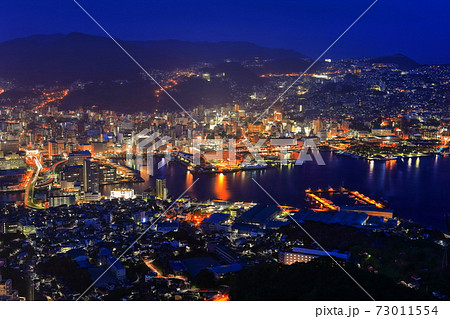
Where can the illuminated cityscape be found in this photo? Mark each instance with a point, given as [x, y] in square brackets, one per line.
[230, 171]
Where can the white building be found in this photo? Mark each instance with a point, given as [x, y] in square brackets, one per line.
[125, 193]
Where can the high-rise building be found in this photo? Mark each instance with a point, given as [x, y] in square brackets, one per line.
[345, 126]
[51, 148]
[317, 125]
[91, 181]
[161, 189]
[322, 135]
[77, 158]
[107, 174]
[277, 116]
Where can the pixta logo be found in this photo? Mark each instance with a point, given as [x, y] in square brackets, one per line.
[146, 145]
[253, 152]
[151, 145]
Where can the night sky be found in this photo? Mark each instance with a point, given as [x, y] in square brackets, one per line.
[418, 29]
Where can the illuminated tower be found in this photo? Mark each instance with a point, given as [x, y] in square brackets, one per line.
[91, 182]
[277, 116]
[317, 125]
[161, 189]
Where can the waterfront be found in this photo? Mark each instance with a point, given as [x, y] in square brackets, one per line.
[415, 188]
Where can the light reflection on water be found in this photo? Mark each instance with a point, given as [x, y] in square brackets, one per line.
[415, 188]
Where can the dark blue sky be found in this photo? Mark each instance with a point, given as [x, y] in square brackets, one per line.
[419, 29]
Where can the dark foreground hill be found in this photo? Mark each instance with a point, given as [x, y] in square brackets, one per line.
[317, 280]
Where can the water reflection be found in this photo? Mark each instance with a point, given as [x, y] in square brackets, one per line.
[390, 165]
[414, 187]
[189, 179]
[371, 166]
[221, 188]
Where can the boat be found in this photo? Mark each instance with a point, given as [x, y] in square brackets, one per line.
[230, 170]
[252, 166]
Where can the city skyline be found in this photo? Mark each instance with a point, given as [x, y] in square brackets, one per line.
[222, 169]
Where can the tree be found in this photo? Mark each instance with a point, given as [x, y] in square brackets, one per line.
[205, 279]
[319, 279]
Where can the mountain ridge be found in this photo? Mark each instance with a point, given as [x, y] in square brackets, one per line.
[73, 56]
[402, 61]
[58, 57]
